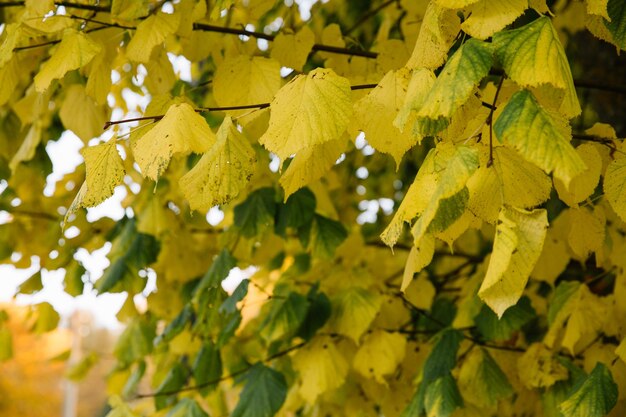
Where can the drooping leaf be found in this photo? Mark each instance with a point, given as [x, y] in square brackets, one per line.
[539, 136]
[187, 407]
[517, 246]
[354, 310]
[486, 17]
[245, 80]
[135, 342]
[150, 33]
[207, 366]
[104, 171]
[594, 397]
[615, 186]
[380, 354]
[442, 397]
[325, 236]
[263, 394]
[222, 172]
[310, 110]
[503, 328]
[257, 212]
[297, 211]
[481, 380]
[285, 316]
[292, 50]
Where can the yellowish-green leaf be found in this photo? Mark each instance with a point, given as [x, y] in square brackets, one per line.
[455, 4]
[517, 246]
[246, 80]
[538, 367]
[380, 354]
[75, 51]
[150, 33]
[583, 185]
[615, 186]
[488, 17]
[511, 180]
[587, 231]
[481, 380]
[292, 50]
[180, 131]
[99, 81]
[9, 77]
[539, 136]
[81, 114]
[27, 149]
[39, 7]
[617, 22]
[440, 27]
[311, 164]
[553, 259]
[104, 171]
[6, 343]
[222, 172]
[329, 368]
[453, 87]
[421, 292]
[419, 257]
[310, 110]
[594, 397]
[129, 10]
[354, 310]
[12, 35]
[161, 77]
[79, 370]
[422, 80]
[533, 55]
[598, 7]
[620, 350]
[384, 101]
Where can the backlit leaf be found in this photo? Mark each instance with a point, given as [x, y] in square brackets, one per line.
[246, 80]
[292, 50]
[150, 33]
[380, 354]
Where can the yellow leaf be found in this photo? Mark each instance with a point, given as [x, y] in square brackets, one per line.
[620, 350]
[615, 186]
[311, 164]
[538, 368]
[353, 311]
[598, 7]
[517, 246]
[181, 130]
[292, 50]
[246, 80]
[440, 27]
[421, 292]
[222, 172]
[39, 7]
[161, 77]
[380, 354]
[553, 259]
[584, 184]
[309, 110]
[75, 51]
[511, 180]
[419, 257]
[533, 55]
[129, 10]
[455, 4]
[99, 81]
[587, 231]
[81, 114]
[421, 83]
[150, 33]
[28, 147]
[9, 77]
[488, 17]
[539, 136]
[321, 368]
[384, 101]
[12, 34]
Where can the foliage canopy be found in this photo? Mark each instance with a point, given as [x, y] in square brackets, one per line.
[467, 135]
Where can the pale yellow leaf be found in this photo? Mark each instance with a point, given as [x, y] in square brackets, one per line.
[181, 131]
[222, 172]
[309, 110]
[311, 164]
[584, 184]
[75, 51]
[354, 310]
[81, 114]
[487, 17]
[380, 354]
[151, 33]
[517, 246]
[440, 26]
[321, 368]
[245, 80]
[539, 368]
[99, 80]
[615, 186]
[384, 101]
[292, 50]
[419, 257]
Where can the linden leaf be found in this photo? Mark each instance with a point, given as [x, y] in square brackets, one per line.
[75, 51]
[440, 27]
[598, 7]
[311, 164]
[481, 380]
[150, 33]
[129, 10]
[587, 231]
[321, 368]
[222, 172]
[422, 81]
[353, 311]
[264, 393]
[181, 130]
[488, 17]
[454, 86]
[292, 50]
[616, 23]
[533, 55]
[538, 368]
[419, 257]
[380, 354]
[595, 396]
[310, 110]
[9, 77]
[246, 80]
[583, 185]
[615, 186]
[516, 249]
[92, 117]
[511, 180]
[538, 136]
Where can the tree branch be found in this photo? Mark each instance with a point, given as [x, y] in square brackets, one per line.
[369, 15]
[67, 4]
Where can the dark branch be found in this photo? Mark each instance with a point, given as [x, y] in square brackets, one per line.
[367, 16]
[67, 4]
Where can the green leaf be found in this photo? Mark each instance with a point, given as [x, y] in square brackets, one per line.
[230, 304]
[264, 393]
[615, 186]
[593, 397]
[73, 283]
[617, 23]
[309, 110]
[175, 326]
[135, 343]
[499, 329]
[442, 358]
[317, 315]
[6, 343]
[442, 397]
[31, 285]
[47, 319]
[297, 211]
[326, 236]
[187, 407]
[171, 384]
[482, 381]
[80, 370]
[257, 212]
[533, 55]
[285, 316]
[353, 311]
[218, 271]
[540, 136]
[207, 367]
[456, 83]
[519, 240]
[564, 291]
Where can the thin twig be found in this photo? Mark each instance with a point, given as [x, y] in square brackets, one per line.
[490, 121]
[368, 16]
